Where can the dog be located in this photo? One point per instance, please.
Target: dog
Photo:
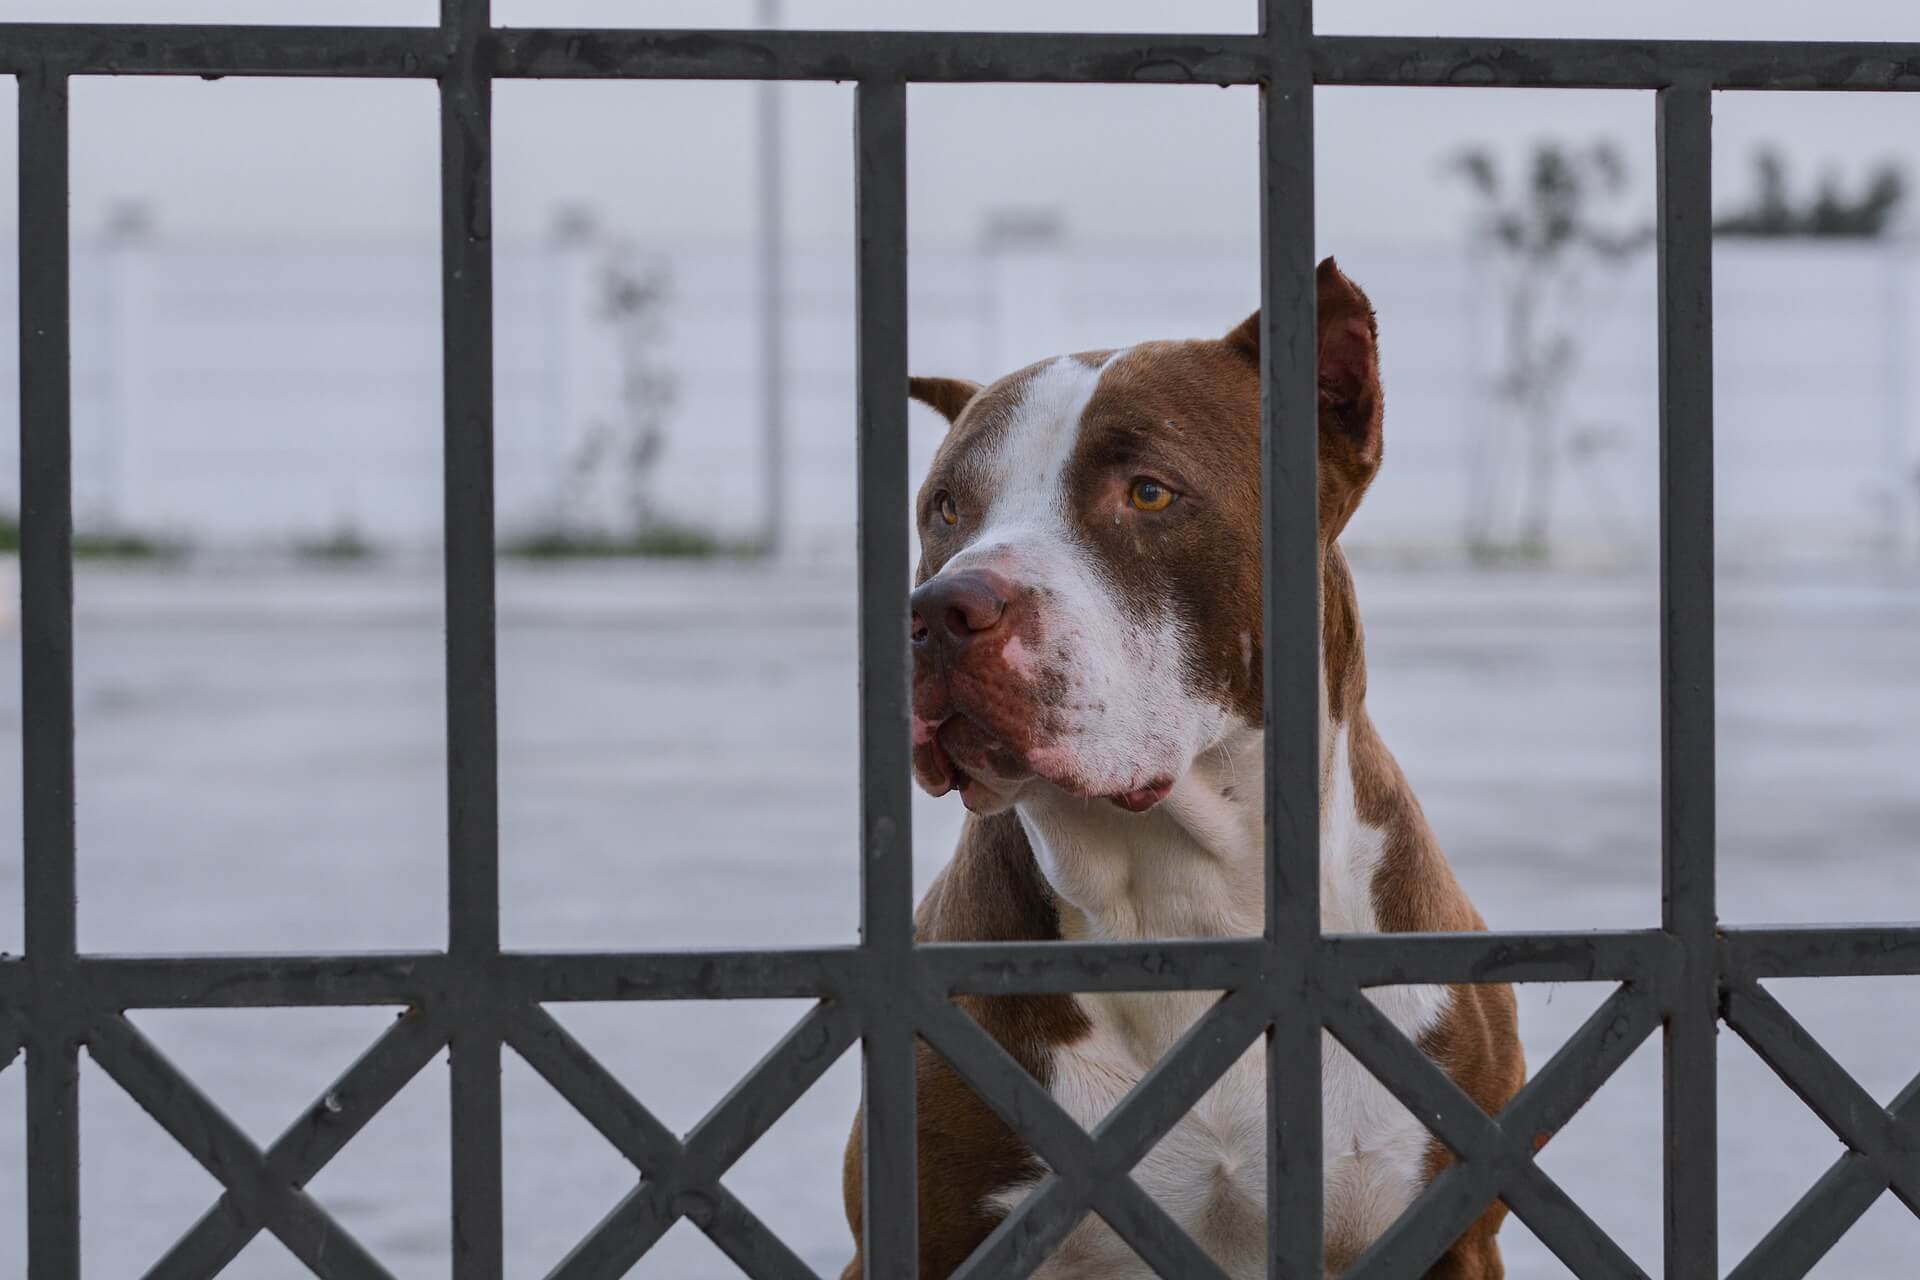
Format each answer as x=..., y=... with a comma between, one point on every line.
x=1086, y=638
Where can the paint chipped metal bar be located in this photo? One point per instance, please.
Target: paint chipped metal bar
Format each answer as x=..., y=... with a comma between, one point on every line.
x=1223, y=59
x=122, y=49
x=1290, y=627
x=46, y=684
x=955, y=57
x=889, y=1164
x=101, y=983
x=1402, y=959
x=1445, y=61
x=473, y=784
x=1684, y=157
x=1818, y=951
x=466, y=228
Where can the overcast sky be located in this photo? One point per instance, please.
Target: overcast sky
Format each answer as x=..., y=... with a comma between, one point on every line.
x=240, y=158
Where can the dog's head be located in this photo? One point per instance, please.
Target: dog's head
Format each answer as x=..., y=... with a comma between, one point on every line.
x=1087, y=614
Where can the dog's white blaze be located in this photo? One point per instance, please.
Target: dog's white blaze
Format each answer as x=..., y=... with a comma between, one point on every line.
x=1194, y=866
x=1127, y=716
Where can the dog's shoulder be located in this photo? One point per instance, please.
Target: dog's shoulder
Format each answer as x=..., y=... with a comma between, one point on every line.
x=991, y=891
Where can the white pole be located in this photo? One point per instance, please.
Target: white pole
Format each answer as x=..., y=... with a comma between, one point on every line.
x=772, y=261
x=1901, y=447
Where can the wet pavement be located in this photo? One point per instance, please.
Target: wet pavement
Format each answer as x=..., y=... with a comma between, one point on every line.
x=262, y=768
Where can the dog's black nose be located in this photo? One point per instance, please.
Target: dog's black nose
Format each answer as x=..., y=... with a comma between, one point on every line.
x=953, y=609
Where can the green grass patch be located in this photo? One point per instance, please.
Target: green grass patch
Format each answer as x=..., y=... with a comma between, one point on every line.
x=342, y=546
x=101, y=544
x=660, y=542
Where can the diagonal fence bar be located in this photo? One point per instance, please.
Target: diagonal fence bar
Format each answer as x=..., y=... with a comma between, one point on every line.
x=224, y=1151
x=1684, y=156
x=1890, y=1141
x=1493, y=1155
x=46, y=681
x=343, y=1109
x=1090, y=1170
x=652, y=1148
x=1829, y=1208
x=679, y=1189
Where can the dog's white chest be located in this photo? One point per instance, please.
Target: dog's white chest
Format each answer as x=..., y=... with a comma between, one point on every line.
x=1210, y=1171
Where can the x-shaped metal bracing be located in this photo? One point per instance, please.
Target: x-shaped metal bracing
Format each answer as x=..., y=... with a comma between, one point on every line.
x=1088, y=1171
x=1494, y=1155
x=683, y=1179
x=313, y=1140
x=1092, y=1170
x=1883, y=1142
x=265, y=1190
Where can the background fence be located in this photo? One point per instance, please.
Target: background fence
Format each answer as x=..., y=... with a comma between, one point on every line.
x=1289, y=985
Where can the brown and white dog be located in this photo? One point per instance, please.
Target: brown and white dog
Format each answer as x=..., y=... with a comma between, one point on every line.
x=1087, y=659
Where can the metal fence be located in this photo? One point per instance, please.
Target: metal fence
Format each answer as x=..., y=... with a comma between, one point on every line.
x=1289, y=984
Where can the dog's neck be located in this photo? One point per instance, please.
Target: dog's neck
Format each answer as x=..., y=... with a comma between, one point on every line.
x=1194, y=865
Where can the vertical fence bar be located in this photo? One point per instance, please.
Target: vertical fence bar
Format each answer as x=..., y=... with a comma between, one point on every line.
x=1684, y=122
x=886, y=834
x=473, y=828
x=1291, y=649
x=46, y=678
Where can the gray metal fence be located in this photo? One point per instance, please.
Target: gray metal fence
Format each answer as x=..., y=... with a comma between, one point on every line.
x=1686, y=975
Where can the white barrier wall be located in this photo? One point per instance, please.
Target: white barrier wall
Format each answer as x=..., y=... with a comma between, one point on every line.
x=246, y=395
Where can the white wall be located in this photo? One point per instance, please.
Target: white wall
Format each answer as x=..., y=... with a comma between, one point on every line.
x=248, y=394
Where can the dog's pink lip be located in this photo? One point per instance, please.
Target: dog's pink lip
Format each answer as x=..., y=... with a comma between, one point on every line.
x=951, y=775
x=1143, y=798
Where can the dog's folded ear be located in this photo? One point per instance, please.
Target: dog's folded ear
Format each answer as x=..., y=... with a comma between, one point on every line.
x=1350, y=396
x=1349, y=362
x=947, y=395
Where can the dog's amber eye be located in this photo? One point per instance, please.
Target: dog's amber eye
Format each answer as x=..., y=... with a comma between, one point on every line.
x=1149, y=495
x=943, y=503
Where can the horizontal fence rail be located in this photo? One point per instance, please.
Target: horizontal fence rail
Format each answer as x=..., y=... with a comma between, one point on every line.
x=1292, y=985
x=957, y=57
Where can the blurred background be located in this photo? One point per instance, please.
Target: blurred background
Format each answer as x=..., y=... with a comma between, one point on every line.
x=258, y=502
